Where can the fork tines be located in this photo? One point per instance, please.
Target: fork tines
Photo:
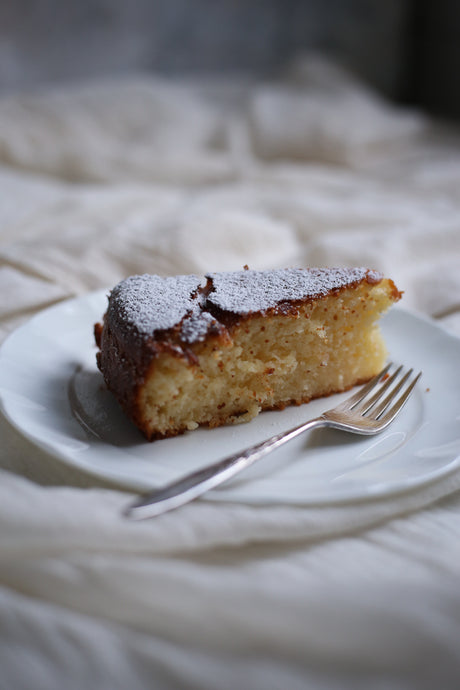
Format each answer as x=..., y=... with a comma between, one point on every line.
x=384, y=390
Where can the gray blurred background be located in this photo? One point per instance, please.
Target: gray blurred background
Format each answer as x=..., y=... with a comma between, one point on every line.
x=408, y=49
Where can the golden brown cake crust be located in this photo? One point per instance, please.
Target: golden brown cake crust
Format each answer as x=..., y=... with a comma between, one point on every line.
x=150, y=316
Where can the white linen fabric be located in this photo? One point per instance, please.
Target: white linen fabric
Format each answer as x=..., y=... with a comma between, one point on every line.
x=102, y=180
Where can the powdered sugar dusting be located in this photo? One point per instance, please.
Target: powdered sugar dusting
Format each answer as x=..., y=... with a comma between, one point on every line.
x=196, y=326
x=150, y=303
x=246, y=292
x=147, y=304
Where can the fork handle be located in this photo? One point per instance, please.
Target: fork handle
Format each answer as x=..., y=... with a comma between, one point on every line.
x=197, y=483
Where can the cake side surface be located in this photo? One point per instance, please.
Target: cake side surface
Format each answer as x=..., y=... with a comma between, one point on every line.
x=214, y=359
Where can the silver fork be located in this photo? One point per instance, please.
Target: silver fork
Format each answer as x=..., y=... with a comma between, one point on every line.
x=369, y=411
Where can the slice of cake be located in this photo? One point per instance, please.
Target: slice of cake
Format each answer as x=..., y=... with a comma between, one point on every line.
x=178, y=352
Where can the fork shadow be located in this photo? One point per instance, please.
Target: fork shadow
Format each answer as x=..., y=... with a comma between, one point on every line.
x=97, y=411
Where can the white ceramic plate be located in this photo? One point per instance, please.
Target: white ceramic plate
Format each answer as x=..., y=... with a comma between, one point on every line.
x=52, y=392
